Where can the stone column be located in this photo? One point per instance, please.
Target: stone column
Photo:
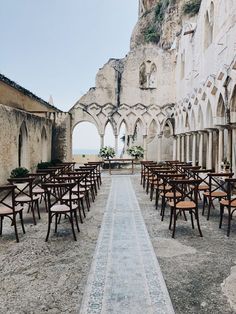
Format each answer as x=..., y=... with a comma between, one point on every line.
x=194, y=152
x=116, y=145
x=101, y=140
x=210, y=149
x=220, y=147
x=229, y=145
x=145, y=146
x=200, y=158
x=183, y=148
x=159, y=155
x=174, y=147
x=188, y=147
x=178, y=147
x=234, y=150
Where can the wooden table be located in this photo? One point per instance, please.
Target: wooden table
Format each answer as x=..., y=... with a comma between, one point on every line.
x=120, y=160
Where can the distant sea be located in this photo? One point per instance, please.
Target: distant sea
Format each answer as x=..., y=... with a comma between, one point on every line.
x=85, y=151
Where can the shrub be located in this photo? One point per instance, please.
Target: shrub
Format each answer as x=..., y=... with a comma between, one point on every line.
x=19, y=172
x=192, y=7
x=107, y=152
x=136, y=151
x=152, y=35
x=44, y=165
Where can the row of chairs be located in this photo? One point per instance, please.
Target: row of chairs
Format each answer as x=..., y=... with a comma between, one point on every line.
x=181, y=186
x=64, y=191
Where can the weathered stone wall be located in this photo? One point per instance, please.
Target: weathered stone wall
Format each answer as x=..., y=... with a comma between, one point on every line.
x=11, y=121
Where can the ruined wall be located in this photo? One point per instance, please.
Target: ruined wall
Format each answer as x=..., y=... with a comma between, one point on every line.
x=11, y=121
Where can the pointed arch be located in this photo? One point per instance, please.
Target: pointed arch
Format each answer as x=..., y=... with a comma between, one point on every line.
x=193, y=121
x=152, y=130
x=209, y=116
x=233, y=100
x=44, y=145
x=23, y=146
x=200, y=118
x=153, y=76
x=220, y=111
x=187, y=123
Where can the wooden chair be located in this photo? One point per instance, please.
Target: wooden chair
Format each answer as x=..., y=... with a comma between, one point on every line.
x=57, y=205
x=217, y=190
x=24, y=194
x=229, y=202
x=9, y=209
x=188, y=202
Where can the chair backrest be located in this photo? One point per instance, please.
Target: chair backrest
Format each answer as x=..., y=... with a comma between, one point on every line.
x=56, y=191
x=24, y=186
x=231, y=187
x=187, y=188
x=217, y=181
x=7, y=196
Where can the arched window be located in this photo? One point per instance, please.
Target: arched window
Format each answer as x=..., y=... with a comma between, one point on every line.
x=221, y=107
x=209, y=26
x=23, y=156
x=142, y=76
x=153, y=77
x=44, y=145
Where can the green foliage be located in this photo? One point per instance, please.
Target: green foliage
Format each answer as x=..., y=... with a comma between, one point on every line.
x=107, y=152
x=19, y=172
x=55, y=162
x=136, y=151
x=160, y=10
x=152, y=35
x=44, y=165
x=192, y=7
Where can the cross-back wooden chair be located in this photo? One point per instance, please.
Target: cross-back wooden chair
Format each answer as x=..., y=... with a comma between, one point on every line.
x=217, y=190
x=57, y=205
x=229, y=202
x=188, y=202
x=24, y=194
x=9, y=209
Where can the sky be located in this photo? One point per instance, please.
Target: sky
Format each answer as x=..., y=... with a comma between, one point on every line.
x=55, y=47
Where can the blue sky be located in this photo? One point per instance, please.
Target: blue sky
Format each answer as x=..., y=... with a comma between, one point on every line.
x=55, y=47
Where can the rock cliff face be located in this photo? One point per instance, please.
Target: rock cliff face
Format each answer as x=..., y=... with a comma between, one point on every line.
x=160, y=24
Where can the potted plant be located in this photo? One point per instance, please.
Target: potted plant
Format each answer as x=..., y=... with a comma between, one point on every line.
x=19, y=172
x=107, y=152
x=136, y=152
x=227, y=165
x=44, y=165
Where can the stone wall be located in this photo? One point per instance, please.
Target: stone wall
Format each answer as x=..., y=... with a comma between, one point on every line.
x=36, y=143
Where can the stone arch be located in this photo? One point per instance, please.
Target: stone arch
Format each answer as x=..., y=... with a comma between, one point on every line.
x=220, y=110
x=209, y=26
x=152, y=130
x=209, y=116
x=187, y=123
x=200, y=118
x=193, y=121
x=44, y=145
x=168, y=128
x=153, y=76
x=233, y=100
x=23, y=146
x=143, y=76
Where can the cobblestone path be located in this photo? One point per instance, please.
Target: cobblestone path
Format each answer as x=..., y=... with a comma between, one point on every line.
x=125, y=276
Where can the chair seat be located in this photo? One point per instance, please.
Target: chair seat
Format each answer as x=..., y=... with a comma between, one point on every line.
x=38, y=190
x=203, y=187
x=171, y=194
x=67, y=197
x=183, y=205
x=215, y=194
x=4, y=210
x=25, y=198
x=61, y=208
x=226, y=203
x=162, y=187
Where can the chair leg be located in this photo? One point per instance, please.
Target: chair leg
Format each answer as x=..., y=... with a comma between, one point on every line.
x=80, y=216
x=72, y=226
x=171, y=218
x=191, y=214
x=37, y=205
x=56, y=221
x=15, y=227
x=1, y=221
x=32, y=209
x=229, y=221
x=203, y=206
x=157, y=199
x=198, y=223
x=209, y=208
x=221, y=215
x=49, y=226
x=82, y=206
x=175, y=218
x=22, y=222
x=76, y=221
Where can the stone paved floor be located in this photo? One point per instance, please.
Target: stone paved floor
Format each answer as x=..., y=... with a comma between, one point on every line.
x=125, y=276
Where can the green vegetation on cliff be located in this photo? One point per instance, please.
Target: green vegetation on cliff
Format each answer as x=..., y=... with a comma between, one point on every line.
x=192, y=7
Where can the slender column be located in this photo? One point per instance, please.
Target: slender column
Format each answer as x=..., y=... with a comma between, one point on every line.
x=101, y=140
x=159, y=153
x=145, y=146
x=178, y=147
x=174, y=147
x=229, y=146
x=234, y=150
x=116, y=145
x=200, y=158
x=188, y=147
x=220, y=147
x=194, y=153
x=183, y=148
x=210, y=149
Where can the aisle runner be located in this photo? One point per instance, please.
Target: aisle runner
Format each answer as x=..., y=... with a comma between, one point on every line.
x=125, y=276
